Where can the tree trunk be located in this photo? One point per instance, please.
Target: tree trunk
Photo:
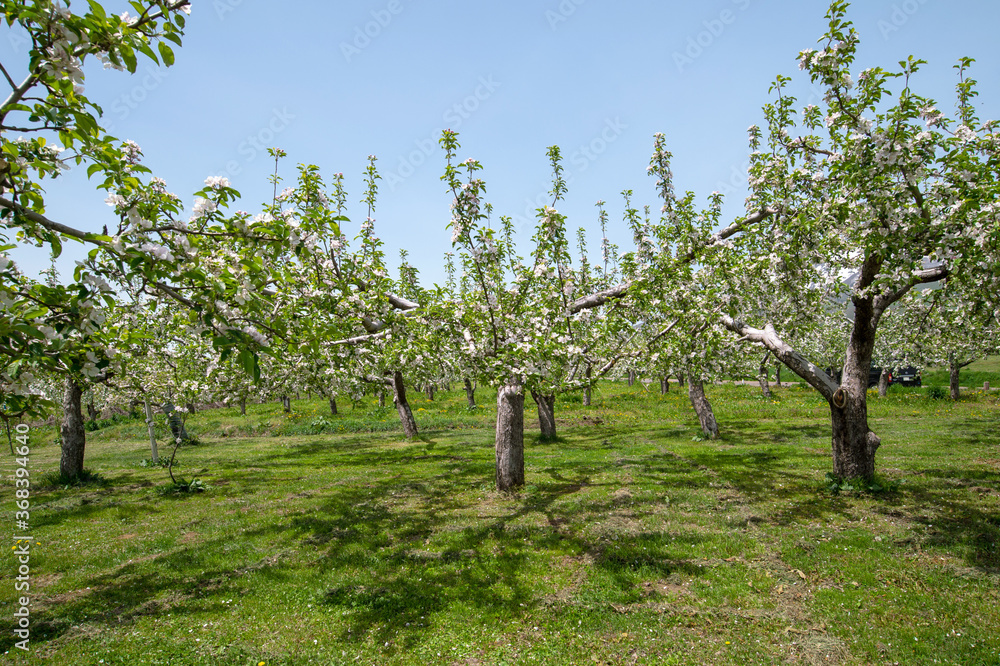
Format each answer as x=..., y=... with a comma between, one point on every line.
x=854, y=444
x=470, y=394
x=381, y=397
x=286, y=404
x=429, y=390
x=92, y=410
x=665, y=385
x=190, y=408
x=680, y=379
x=333, y=405
x=510, y=436
x=777, y=373
x=243, y=405
x=631, y=377
x=953, y=370
x=762, y=376
x=586, y=391
x=703, y=408
x=402, y=406
x=883, y=383
x=546, y=414
x=74, y=437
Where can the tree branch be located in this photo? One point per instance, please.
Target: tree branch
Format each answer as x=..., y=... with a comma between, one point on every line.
x=805, y=369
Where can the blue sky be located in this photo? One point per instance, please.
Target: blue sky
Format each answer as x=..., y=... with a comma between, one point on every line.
x=333, y=82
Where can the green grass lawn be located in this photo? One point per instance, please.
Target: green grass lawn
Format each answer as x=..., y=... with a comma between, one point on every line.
x=634, y=542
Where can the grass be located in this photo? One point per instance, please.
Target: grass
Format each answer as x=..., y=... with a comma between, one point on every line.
x=632, y=543
x=983, y=370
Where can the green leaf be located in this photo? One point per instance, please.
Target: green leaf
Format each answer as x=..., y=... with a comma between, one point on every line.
x=166, y=53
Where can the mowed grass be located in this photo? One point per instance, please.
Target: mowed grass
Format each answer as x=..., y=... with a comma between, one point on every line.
x=633, y=542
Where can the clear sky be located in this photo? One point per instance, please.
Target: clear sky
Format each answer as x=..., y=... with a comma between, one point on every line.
x=333, y=82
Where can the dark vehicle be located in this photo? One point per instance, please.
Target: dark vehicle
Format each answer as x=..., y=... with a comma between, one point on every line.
x=908, y=376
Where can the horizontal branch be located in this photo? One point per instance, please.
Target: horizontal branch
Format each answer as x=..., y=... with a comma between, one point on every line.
x=360, y=339
x=767, y=337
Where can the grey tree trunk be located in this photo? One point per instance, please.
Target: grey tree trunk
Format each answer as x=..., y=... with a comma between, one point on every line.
x=777, y=373
x=286, y=404
x=883, y=383
x=546, y=414
x=586, y=391
x=381, y=397
x=510, y=436
x=333, y=405
x=429, y=390
x=702, y=407
x=470, y=393
x=631, y=377
x=954, y=367
x=243, y=405
x=665, y=385
x=854, y=444
x=762, y=376
x=74, y=437
x=680, y=379
x=402, y=406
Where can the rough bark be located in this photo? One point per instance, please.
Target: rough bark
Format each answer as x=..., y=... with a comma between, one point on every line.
x=381, y=398
x=510, y=436
x=883, y=382
x=631, y=377
x=333, y=405
x=777, y=373
x=429, y=391
x=286, y=404
x=402, y=406
x=762, y=376
x=243, y=405
x=680, y=379
x=703, y=408
x=854, y=444
x=665, y=385
x=470, y=393
x=74, y=437
x=586, y=391
x=546, y=413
